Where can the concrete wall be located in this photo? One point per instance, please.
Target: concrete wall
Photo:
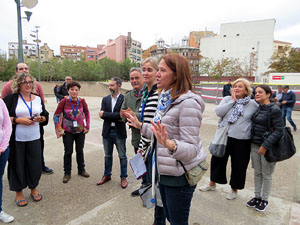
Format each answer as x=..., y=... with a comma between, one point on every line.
x=212, y=93
x=96, y=89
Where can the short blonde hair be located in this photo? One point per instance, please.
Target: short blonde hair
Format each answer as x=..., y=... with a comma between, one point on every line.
x=19, y=79
x=246, y=83
x=153, y=61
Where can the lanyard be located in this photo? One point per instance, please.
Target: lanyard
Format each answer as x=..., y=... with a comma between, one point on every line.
x=77, y=105
x=30, y=109
x=144, y=105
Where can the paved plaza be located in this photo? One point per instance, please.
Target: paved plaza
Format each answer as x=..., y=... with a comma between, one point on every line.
x=81, y=201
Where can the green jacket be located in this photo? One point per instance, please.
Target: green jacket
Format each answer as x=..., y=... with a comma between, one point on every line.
x=133, y=101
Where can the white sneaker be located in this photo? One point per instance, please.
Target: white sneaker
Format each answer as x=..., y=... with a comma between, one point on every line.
x=207, y=188
x=5, y=218
x=232, y=195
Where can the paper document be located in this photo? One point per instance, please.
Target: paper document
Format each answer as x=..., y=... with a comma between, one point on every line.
x=138, y=166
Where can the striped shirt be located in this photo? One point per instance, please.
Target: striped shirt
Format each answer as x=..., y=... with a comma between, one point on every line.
x=150, y=108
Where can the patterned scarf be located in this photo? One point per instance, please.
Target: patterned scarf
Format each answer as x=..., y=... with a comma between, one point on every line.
x=163, y=103
x=238, y=109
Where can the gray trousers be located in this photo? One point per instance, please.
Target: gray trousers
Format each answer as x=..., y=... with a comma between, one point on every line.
x=263, y=171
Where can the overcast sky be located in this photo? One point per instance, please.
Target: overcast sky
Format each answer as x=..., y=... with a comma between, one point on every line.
x=92, y=22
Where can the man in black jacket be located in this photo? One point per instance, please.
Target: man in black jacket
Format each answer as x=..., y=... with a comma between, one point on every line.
x=226, y=89
x=287, y=101
x=62, y=90
x=114, y=131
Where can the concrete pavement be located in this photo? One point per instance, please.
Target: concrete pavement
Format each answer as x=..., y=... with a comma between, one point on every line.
x=81, y=201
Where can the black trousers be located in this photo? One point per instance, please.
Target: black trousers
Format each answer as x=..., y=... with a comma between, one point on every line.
x=68, y=140
x=27, y=169
x=239, y=151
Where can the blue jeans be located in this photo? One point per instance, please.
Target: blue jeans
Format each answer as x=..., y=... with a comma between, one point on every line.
x=108, y=144
x=177, y=202
x=3, y=160
x=287, y=112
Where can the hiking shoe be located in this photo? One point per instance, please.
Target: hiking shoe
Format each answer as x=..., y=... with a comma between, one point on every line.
x=83, y=173
x=47, y=170
x=262, y=206
x=207, y=188
x=253, y=202
x=135, y=193
x=232, y=195
x=66, y=178
x=5, y=218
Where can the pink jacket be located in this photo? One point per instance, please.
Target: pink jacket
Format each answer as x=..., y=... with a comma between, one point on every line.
x=183, y=121
x=5, y=126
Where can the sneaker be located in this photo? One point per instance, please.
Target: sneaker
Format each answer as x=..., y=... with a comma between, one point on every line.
x=232, y=195
x=66, y=178
x=207, y=188
x=83, y=173
x=5, y=218
x=135, y=193
x=253, y=202
x=262, y=206
x=47, y=170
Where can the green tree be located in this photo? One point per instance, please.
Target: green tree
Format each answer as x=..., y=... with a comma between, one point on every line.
x=110, y=68
x=7, y=67
x=125, y=67
x=285, y=61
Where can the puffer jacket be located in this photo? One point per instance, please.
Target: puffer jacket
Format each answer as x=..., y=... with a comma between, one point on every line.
x=183, y=121
x=260, y=125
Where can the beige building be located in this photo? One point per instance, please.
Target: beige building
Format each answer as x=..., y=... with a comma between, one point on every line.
x=195, y=37
x=46, y=54
x=29, y=50
x=281, y=45
x=192, y=54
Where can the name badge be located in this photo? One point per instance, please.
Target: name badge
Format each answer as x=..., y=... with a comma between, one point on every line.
x=75, y=124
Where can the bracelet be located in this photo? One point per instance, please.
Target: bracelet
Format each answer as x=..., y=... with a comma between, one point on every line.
x=14, y=120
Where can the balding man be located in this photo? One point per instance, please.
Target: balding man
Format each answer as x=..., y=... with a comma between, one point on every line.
x=21, y=68
x=6, y=90
x=62, y=90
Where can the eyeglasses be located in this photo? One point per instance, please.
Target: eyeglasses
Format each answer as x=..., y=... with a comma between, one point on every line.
x=27, y=82
x=68, y=79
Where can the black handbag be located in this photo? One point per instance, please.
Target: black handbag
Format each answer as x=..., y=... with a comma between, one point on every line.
x=284, y=148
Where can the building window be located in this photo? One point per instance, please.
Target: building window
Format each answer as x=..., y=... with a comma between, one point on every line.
x=237, y=35
x=224, y=35
x=223, y=50
x=253, y=48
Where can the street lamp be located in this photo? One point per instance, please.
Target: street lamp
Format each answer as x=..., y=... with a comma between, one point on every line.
x=37, y=41
x=28, y=4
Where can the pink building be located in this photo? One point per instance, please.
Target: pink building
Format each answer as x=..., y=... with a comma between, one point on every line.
x=115, y=49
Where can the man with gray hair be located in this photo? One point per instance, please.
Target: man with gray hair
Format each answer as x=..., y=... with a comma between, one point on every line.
x=114, y=131
x=131, y=105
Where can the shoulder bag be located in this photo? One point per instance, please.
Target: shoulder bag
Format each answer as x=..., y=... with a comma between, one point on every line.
x=194, y=175
x=218, y=145
x=284, y=148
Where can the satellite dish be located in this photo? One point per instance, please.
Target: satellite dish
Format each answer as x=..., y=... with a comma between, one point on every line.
x=29, y=3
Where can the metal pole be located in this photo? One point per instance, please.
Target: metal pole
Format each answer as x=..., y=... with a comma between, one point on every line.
x=38, y=48
x=20, y=45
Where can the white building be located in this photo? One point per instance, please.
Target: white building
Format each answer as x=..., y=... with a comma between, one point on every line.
x=239, y=40
x=29, y=49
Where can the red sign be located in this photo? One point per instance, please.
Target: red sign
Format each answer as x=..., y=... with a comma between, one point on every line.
x=277, y=77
